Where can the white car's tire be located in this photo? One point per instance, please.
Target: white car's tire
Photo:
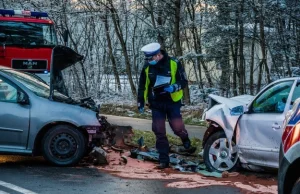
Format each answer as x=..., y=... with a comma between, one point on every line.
x=296, y=187
x=217, y=154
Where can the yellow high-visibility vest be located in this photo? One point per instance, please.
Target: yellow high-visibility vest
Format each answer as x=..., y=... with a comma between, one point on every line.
x=176, y=96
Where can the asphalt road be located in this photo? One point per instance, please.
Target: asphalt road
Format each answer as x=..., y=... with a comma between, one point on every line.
x=33, y=175
x=144, y=124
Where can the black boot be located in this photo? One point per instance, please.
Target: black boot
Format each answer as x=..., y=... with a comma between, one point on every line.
x=183, y=150
x=163, y=165
x=187, y=147
x=190, y=150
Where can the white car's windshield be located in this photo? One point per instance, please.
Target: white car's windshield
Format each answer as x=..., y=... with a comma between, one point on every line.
x=35, y=85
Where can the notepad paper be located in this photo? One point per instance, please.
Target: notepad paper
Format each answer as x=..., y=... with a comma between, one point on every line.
x=162, y=81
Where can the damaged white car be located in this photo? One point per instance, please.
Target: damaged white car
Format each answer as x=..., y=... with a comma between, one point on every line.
x=247, y=130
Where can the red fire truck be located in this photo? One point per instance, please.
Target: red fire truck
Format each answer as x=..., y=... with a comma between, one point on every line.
x=26, y=41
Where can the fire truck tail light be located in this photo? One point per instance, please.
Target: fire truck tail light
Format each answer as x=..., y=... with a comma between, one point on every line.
x=23, y=13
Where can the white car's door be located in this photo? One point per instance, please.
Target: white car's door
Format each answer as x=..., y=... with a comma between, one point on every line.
x=260, y=129
x=14, y=118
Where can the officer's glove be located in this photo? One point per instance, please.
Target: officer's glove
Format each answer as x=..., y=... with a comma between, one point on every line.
x=140, y=107
x=169, y=89
x=141, y=110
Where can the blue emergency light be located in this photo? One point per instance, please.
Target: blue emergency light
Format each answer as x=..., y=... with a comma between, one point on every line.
x=7, y=12
x=12, y=12
x=39, y=14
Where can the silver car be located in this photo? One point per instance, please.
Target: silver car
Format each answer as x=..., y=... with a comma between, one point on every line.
x=247, y=130
x=35, y=120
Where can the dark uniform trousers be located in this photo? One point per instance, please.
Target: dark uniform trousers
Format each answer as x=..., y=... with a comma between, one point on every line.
x=170, y=110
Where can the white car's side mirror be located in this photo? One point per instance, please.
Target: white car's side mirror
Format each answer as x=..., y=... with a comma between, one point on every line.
x=238, y=110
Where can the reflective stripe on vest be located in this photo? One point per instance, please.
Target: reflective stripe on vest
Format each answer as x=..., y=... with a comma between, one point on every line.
x=176, y=96
x=146, y=84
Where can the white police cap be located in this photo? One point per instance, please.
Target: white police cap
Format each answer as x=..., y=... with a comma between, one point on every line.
x=151, y=49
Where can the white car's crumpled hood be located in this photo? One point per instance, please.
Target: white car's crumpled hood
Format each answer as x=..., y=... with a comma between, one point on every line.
x=245, y=99
x=220, y=113
x=232, y=102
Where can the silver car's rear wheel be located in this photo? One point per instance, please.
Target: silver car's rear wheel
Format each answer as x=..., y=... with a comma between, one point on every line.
x=217, y=154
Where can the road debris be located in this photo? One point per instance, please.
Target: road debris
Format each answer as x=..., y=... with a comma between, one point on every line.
x=177, y=162
x=130, y=160
x=123, y=137
x=145, y=169
x=227, y=174
x=124, y=160
x=98, y=156
x=177, y=159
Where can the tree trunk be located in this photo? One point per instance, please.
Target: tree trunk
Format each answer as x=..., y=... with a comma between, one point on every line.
x=252, y=58
x=160, y=22
x=135, y=56
x=297, y=62
x=119, y=32
x=178, y=45
x=111, y=56
x=241, y=49
x=84, y=91
x=3, y=4
x=263, y=43
x=197, y=45
x=234, y=52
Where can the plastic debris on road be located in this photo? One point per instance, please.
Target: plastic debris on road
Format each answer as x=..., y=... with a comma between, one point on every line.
x=177, y=162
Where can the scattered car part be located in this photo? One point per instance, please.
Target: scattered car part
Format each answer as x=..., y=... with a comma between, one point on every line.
x=98, y=156
x=124, y=160
x=227, y=174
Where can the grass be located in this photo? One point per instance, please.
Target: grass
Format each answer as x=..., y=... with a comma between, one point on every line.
x=190, y=117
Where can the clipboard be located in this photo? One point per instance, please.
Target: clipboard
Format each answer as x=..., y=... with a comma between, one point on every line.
x=161, y=81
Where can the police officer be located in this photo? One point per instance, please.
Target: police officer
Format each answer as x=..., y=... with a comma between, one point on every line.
x=161, y=82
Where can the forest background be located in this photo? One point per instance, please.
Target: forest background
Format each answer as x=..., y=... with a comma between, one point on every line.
x=228, y=47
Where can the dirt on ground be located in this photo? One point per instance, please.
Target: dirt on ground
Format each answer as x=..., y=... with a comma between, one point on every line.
x=122, y=165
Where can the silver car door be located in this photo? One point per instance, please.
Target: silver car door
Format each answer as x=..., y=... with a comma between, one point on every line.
x=14, y=118
x=260, y=128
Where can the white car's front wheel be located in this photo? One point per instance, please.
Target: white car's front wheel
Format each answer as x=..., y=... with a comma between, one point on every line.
x=217, y=153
